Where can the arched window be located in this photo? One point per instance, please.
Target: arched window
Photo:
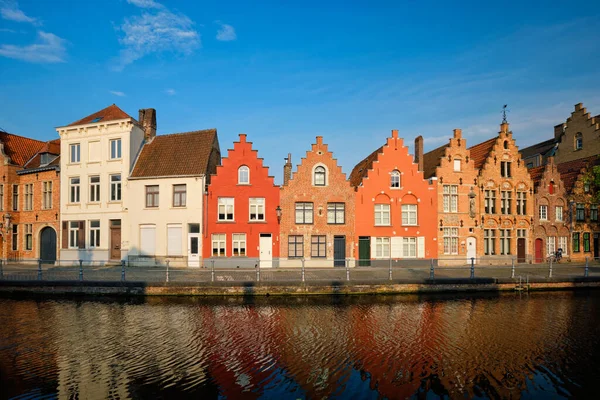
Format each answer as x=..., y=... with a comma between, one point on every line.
x=319, y=176
x=506, y=144
x=244, y=175
x=578, y=141
x=395, y=179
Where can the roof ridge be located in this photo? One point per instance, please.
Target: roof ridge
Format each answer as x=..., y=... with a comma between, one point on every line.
x=187, y=133
x=21, y=136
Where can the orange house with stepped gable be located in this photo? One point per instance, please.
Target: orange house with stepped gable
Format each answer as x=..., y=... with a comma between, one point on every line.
x=396, y=208
x=241, y=215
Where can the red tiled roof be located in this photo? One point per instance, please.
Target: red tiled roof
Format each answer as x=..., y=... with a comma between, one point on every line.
x=362, y=168
x=570, y=170
x=110, y=113
x=177, y=154
x=431, y=160
x=481, y=151
x=20, y=149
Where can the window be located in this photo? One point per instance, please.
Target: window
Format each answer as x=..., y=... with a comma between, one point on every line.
x=179, y=195
x=319, y=176
x=543, y=213
x=489, y=242
x=225, y=205
x=152, y=196
x=395, y=179
x=505, y=202
x=15, y=237
x=457, y=165
x=559, y=214
x=115, y=149
x=504, y=242
x=304, y=213
x=75, y=152
x=94, y=234
x=218, y=245
x=409, y=247
x=450, y=240
x=73, y=234
x=174, y=240
x=505, y=169
x=490, y=202
x=74, y=190
x=28, y=236
x=580, y=212
x=28, y=206
x=578, y=141
x=257, y=209
x=594, y=212
x=46, y=195
x=562, y=244
x=239, y=244
x=147, y=240
x=551, y=187
x=115, y=187
x=318, y=246
x=521, y=203
x=382, y=214
x=522, y=233
x=409, y=214
x=244, y=175
x=336, y=213
x=451, y=198
x=550, y=246
x=295, y=246
x=576, y=242
x=586, y=241
x=15, y=205
x=1, y=197
x=382, y=247
x=94, y=189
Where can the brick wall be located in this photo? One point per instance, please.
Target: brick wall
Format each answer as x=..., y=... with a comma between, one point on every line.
x=580, y=121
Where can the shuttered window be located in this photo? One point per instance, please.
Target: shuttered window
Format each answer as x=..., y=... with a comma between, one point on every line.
x=147, y=240
x=174, y=240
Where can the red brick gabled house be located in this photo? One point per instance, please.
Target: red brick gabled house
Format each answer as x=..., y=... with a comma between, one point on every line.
x=317, y=204
x=242, y=210
x=393, y=206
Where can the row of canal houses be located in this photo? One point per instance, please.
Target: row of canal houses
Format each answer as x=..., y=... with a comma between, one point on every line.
x=120, y=192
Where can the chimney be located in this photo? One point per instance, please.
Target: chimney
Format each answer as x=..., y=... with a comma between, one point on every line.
x=419, y=152
x=558, y=131
x=287, y=169
x=148, y=122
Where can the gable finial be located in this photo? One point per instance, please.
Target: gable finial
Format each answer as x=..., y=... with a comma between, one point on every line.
x=504, y=110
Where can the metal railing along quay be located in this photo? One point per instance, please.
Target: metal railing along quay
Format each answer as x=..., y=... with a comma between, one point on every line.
x=350, y=270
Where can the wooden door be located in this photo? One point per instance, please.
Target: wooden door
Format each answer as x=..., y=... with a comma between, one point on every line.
x=364, y=251
x=48, y=245
x=521, y=250
x=339, y=251
x=539, y=250
x=115, y=242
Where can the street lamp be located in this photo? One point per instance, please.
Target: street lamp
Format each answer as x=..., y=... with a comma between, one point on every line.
x=278, y=210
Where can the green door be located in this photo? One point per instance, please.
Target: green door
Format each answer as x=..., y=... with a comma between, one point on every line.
x=364, y=251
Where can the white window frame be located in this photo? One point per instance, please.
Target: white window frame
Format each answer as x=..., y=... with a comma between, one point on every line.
x=489, y=242
x=73, y=234
x=521, y=203
x=257, y=209
x=550, y=245
x=409, y=215
x=505, y=239
x=383, y=215
x=74, y=190
x=28, y=197
x=382, y=247
x=336, y=213
x=115, y=149
x=395, y=179
x=304, y=213
x=220, y=239
x=238, y=245
x=563, y=243
x=457, y=165
x=243, y=175
x=409, y=246
x=490, y=202
x=227, y=205
x=319, y=171
x=543, y=213
x=75, y=153
x=95, y=189
x=115, y=187
x=450, y=198
x=94, y=234
x=559, y=214
x=46, y=195
x=451, y=240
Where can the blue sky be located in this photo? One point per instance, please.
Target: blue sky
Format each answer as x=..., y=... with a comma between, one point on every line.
x=349, y=71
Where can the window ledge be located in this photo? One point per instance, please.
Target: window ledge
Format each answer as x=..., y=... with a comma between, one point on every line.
x=396, y=188
x=115, y=201
x=93, y=162
x=257, y=222
x=151, y=208
x=178, y=208
x=114, y=160
x=225, y=222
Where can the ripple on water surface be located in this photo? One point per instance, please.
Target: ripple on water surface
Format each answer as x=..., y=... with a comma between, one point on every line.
x=537, y=345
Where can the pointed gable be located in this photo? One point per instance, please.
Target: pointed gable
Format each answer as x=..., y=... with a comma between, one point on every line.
x=570, y=170
x=110, y=113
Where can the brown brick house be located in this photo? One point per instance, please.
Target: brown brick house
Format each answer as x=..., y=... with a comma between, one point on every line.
x=317, y=203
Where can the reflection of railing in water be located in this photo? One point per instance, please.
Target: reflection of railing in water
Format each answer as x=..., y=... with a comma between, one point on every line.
x=251, y=270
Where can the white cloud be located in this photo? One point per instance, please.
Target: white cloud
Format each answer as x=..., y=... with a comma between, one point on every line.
x=10, y=11
x=145, y=3
x=49, y=49
x=226, y=33
x=156, y=31
x=170, y=92
x=117, y=93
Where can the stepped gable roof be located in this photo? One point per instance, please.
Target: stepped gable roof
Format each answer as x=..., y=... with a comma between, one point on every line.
x=362, y=168
x=536, y=174
x=538, y=148
x=481, y=151
x=431, y=160
x=109, y=113
x=20, y=149
x=176, y=154
x=570, y=170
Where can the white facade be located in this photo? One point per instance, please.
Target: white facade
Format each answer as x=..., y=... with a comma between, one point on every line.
x=170, y=230
x=93, y=214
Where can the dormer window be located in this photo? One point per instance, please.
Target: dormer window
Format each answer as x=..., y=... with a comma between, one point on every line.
x=395, y=179
x=578, y=141
x=44, y=158
x=319, y=176
x=244, y=175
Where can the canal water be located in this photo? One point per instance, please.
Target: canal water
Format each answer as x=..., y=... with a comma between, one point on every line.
x=537, y=345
